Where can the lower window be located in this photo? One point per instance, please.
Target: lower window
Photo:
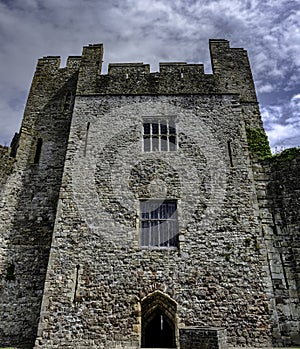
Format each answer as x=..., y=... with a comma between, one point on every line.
x=159, y=225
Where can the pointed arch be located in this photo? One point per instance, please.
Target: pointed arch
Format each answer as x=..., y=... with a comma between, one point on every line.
x=159, y=323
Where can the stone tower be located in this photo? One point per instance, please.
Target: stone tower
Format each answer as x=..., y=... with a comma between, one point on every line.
x=136, y=210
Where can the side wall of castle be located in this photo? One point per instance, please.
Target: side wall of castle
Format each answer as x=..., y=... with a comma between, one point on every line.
x=30, y=182
x=284, y=251
x=278, y=192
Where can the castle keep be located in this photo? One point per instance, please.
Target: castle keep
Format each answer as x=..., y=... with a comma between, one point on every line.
x=142, y=209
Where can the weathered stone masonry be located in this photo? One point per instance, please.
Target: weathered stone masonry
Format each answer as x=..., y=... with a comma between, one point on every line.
x=29, y=199
x=70, y=203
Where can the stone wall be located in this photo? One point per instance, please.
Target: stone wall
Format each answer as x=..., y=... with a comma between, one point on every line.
x=277, y=188
x=29, y=199
x=216, y=276
x=6, y=166
x=284, y=195
x=203, y=337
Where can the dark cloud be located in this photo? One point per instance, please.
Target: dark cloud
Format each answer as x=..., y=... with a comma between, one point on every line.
x=153, y=31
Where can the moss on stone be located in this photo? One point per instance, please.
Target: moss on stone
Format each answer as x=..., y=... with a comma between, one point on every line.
x=258, y=143
x=285, y=156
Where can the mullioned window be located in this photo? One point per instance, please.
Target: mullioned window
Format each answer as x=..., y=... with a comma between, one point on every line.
x=159, y=134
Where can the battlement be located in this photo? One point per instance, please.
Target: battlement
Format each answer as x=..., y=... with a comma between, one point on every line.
x=131, y=69
x=231, y=75
x=127, y=69
x=52, y=63
x=4, y=150
x=181, y=68
x=73, y=62
x=223, y=44
x=48, y=63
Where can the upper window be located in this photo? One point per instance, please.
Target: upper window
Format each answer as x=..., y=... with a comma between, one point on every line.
x=159, y=226
x=159, y=134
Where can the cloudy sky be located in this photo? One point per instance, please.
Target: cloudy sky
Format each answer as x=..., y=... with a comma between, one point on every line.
x=151, y=31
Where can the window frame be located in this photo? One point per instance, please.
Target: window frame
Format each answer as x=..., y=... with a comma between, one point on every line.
x=161, y=134
x=164, y=233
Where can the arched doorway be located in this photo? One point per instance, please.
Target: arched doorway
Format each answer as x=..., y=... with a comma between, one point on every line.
x=158, y=321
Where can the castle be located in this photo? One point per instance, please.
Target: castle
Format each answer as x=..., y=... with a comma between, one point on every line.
x=143, y=209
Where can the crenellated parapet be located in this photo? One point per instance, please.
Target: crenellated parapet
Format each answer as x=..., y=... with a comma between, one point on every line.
x=183, y=78
x=231, y=75
x=231, y=69
x=90, y=68
x=50, y=101
x=172, y=78
x=73, y=62
x=128, y=69
x=52, y=63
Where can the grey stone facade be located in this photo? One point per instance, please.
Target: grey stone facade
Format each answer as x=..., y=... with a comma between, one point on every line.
x=74, y=273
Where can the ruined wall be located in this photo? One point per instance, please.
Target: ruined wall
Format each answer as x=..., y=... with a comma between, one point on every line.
x=29, y=199
x=284, y=196
x=277, y=188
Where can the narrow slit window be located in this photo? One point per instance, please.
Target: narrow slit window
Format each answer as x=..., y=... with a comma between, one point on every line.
x=76, y=283
x=86, y=137
x=230, y=153
x=159, y=226
x=68, y=101
x=159, y=135
x=38, y=151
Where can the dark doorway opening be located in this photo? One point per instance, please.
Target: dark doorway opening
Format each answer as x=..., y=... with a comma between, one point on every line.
x=159, y=333
x=158, y=321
